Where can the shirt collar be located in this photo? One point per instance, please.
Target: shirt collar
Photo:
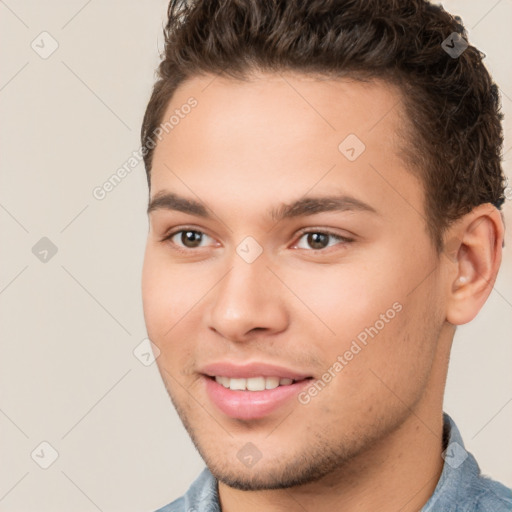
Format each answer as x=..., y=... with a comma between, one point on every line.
x=460, y=469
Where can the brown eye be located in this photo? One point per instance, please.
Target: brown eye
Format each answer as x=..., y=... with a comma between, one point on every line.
x=318, y=240
x=190, y=238
x=186, y=239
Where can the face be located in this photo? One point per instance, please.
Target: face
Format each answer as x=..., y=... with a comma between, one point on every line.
x=288, y=247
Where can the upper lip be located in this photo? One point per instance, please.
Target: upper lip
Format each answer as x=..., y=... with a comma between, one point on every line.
x=248, y=370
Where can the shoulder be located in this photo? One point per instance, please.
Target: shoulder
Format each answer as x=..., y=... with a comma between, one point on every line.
x=462, y=487
x=492, y=496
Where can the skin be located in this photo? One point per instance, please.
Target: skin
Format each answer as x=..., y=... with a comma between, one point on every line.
x=372, y=438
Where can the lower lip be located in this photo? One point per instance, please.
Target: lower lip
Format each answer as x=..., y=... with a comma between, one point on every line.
x=251, y=405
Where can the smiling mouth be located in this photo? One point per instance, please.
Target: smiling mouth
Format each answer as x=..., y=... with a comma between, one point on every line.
x=252, y=396
x=255, y=383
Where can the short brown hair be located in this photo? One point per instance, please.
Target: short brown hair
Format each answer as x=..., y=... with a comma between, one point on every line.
x=452, y=104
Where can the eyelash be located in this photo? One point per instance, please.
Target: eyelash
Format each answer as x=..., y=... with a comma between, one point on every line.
x=344, y=240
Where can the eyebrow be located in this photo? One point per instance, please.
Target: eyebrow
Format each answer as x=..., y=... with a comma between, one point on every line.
x=302, y=207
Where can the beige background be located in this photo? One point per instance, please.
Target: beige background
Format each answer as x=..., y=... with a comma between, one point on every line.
x=68, y=375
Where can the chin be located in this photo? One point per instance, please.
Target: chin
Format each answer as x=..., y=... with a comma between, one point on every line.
x=263, y=478
x=296, y=466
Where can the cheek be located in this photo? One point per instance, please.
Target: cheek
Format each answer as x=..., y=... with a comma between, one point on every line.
x=167, y=292
x=162, y=296
x=345, y=299
x=376, y=325
x=393, y=368
x=171, y=302
x=153, y=292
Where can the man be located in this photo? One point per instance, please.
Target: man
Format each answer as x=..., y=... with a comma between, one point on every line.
x=325, y=193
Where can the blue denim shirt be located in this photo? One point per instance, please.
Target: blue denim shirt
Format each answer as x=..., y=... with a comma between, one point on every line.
x=461, y=487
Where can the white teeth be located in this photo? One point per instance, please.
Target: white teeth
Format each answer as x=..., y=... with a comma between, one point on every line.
x=271, y=382
x=256, y=384
x=223, y=380
x=253, y=383
x=237, y=384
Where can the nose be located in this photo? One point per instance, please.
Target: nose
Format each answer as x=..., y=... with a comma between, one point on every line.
x=249, y=301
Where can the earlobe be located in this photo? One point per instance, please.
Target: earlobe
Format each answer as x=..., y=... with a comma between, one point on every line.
x=474, y=258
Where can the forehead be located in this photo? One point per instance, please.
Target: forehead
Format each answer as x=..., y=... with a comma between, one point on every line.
x=289, y=106
x=284, y=134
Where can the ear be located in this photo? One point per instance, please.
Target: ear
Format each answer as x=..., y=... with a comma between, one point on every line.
x=473, y=247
